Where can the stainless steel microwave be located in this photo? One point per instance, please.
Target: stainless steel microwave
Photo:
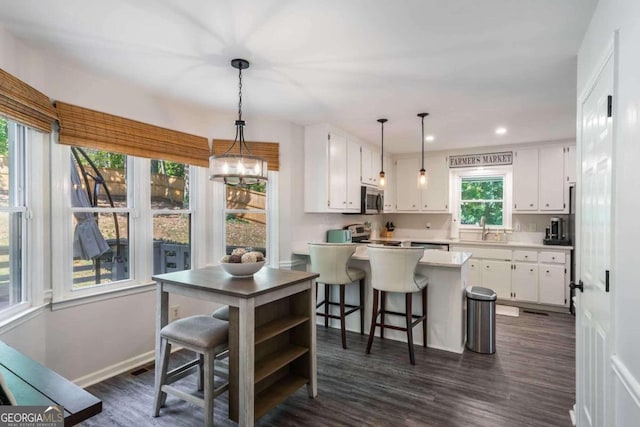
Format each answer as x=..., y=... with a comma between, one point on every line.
x=371, y=200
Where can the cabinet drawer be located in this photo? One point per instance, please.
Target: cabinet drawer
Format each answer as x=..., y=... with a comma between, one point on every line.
x=553, y=257
x=485, y=253
x=520, y=255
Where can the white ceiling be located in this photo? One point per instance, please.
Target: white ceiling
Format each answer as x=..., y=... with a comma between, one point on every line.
x=473, y=65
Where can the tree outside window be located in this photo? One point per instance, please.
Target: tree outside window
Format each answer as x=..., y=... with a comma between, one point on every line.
x=246, y=217
x=482, y=196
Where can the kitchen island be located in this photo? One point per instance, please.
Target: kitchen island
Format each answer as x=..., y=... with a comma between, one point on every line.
x=448, y=276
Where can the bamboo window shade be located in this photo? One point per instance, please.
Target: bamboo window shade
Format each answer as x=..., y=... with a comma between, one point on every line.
x=82, y=127
x=23, y=103
x=270, y=151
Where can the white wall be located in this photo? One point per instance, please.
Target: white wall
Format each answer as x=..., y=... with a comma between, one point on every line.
x=82, y=341
x=624, y=16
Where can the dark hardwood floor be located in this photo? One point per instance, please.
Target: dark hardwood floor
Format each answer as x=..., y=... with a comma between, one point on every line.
x=528, y=382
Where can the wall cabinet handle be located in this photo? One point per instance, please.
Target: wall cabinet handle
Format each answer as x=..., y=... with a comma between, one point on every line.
x=531, y=205
x=531, y=269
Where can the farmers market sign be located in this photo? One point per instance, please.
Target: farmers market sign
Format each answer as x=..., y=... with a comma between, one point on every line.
x=487, y=159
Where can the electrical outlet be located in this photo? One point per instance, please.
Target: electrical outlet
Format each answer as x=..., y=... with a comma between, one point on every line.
x=174, y=313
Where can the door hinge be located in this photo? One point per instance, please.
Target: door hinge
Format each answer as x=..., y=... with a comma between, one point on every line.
x=609, y=106
x=329, y=137
x=515, y=205
x=564, y=205
x=606, y=280
x=565, y=300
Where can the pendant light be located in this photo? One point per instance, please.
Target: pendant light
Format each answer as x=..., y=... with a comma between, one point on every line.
x=422, y=173
x=242, y=168
x=382, y=181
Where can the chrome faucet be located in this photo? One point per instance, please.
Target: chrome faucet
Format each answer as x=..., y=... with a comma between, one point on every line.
x=483, y=221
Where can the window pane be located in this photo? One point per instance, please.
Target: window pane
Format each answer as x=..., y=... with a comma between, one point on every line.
x=471, y=212
x=246, y=230
x=482, y=188
x=171, y=243
x=169, y=185
x=4, y=163
x=11, y=291
x=100, y=248
x=249, y=197
x=102, y=175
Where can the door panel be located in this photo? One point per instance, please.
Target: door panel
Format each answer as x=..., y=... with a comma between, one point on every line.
x=593, y=318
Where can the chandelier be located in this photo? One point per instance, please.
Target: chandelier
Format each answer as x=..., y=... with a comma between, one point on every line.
x=422, y=173
x=238, y=166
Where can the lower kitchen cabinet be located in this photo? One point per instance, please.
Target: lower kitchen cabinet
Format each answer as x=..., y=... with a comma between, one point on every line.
x=496, y=275
x=475, y=272
x=524, y=282
x=552, y=284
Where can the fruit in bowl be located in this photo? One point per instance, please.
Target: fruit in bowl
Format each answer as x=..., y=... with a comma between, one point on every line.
x=242, y=263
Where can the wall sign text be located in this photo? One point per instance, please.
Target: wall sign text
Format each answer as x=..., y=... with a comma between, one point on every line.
x=486, y=159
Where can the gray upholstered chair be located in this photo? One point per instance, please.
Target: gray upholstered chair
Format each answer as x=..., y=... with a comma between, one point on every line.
x=394, y=270
x=204, y=335
x=330, y=260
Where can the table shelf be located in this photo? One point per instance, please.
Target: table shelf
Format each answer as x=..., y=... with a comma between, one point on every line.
x=277, y=393
x=276, y=360
x=278, y=326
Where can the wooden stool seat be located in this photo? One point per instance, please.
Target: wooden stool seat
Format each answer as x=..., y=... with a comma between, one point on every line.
x=208, y=337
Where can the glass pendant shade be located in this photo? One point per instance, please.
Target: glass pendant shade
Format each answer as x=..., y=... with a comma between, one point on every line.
x=382, y=181
x=238, y=167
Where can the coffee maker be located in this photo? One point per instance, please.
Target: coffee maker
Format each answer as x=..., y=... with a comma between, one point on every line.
x=555, y=233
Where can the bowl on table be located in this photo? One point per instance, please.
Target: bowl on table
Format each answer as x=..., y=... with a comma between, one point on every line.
x=242, y=269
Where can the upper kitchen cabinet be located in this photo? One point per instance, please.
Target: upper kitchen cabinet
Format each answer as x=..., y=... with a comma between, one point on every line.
x=435, y=198
x=369, y=166
x=570, y=164
x=390, y=186
x=411, y=199
x=552, y=179
x=541, y=178
x=407, y=192
x=331, y=171
x=525, y=180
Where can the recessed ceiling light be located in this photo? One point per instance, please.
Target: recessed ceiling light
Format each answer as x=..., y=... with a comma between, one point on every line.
x=430, y=138
x=501, y=131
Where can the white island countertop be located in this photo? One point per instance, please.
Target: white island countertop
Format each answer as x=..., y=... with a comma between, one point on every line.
x=431, y=257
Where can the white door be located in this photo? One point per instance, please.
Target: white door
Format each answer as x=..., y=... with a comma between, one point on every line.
x=407, y=192
x=552, y=179
x=353, y=176
x=390, y=186
x=435, y=198
x=496, y=275
x=337, y=172
x=524, y=281
x=552, y=284
x=593, y=306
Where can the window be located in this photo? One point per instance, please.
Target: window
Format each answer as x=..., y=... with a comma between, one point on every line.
x=12, y=214
x=246, y=217
x=484, y=193
x=171, y=216
x=100, y=217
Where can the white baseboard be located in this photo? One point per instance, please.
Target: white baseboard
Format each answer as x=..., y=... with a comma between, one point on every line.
x=627, y=379
x=117, y=369
x=292, y=264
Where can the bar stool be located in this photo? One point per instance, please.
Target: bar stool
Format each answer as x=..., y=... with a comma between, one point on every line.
x=204, y=335
x=330, y=260
x=393, y=270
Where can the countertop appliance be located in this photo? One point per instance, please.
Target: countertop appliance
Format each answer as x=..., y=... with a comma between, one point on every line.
x=359, y=232
x=339, y=236
x=371, y=200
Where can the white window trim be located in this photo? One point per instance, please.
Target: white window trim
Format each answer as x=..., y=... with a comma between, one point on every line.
x=506, y=172
x=35, y=255
x=140, y=233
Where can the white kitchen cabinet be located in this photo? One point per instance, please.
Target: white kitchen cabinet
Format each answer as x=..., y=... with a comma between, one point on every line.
x=390, y=186
x=331, y=171
x=552, y=284
x=570, y=164
x=524, y=281
x=407, y=192
x=369, y=165
x=552, y=179
x=475, y=272
x=525, y=180
x=435, y=198
x=496, y=275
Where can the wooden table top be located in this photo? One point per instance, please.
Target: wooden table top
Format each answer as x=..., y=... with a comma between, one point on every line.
x=34, y=384
x=215, y=279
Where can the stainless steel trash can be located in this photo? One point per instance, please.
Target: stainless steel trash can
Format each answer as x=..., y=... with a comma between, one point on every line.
x=481, y=319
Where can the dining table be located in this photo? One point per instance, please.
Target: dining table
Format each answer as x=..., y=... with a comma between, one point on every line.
x=272, y=335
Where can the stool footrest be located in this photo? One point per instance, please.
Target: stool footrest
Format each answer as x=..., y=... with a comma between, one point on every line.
x=182, y=371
